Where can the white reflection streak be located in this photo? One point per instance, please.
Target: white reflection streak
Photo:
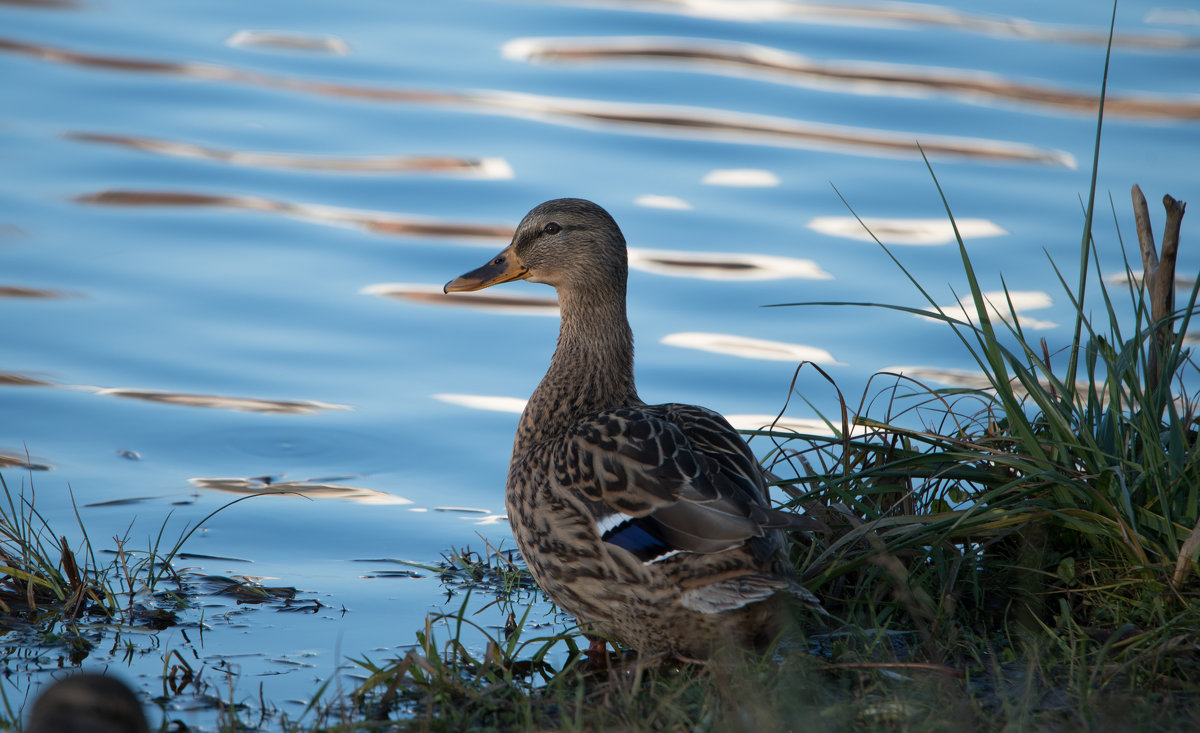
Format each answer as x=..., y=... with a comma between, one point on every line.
x=243, y=404
x=1183, y=284
x=750, y=348
x=723, y=265
x=806, y=425
x=904, y=231
x=289, y=40
x=311, y=490
x=685, y=122
x=998, y=307
x=951, y=377
x=653, y=201
x=739, y=421
x=895, y=15
x=741, y=177
x=433, y=295
x=484, y=402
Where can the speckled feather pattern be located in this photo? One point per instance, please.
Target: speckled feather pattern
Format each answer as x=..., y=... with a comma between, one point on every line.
x=587, y=447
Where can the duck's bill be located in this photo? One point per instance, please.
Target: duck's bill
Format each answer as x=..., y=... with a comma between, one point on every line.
x=502, y=269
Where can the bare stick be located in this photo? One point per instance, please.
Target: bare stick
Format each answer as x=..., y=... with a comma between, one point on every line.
x=1141, y=213
x=1159, y=275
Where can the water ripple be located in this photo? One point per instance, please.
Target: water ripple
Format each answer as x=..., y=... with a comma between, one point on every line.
x=289, y=41
x=750, y=348
x=636, y=118
x=1004, y=305
x=433, y=295
x=771, y=64
x=17, y=291
x=243, y=404
x=371, y=221
x=724, y=265
x=17, y=459
x=899, y=15
x=494, y=168
x=904, y=231
x=310, y=488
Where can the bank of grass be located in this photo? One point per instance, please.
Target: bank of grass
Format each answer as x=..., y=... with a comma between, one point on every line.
x=1017, y=555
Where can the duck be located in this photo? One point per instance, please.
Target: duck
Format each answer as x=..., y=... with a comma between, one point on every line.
x=650, y=524
x=88, y=702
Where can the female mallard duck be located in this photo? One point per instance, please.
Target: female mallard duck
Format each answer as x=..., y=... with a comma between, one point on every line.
x=648, y=523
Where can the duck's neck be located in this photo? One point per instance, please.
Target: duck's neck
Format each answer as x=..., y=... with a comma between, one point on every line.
x=592, y=367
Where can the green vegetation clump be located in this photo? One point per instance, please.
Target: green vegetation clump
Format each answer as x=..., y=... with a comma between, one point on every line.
x=1019, y=553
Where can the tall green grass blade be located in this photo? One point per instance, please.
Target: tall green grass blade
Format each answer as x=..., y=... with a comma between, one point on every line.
x=1085, y=244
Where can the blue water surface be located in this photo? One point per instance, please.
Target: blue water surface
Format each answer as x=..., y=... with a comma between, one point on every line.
x=179, y=258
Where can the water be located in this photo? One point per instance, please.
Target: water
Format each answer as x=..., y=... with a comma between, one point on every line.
x=218, y=247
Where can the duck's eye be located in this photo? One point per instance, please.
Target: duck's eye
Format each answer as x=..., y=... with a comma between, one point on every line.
x=552, y=228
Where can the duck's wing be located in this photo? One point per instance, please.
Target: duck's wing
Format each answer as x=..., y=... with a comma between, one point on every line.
x=667, y=479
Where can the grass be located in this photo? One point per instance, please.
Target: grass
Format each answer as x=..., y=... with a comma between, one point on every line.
x=55, y=596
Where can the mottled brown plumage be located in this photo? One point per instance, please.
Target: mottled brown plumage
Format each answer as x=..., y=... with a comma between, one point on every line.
x=649, y=523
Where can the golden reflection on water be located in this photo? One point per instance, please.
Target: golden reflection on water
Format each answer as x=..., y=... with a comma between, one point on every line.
x=900, y=15
x=491, y=168
x=882, y=79
x=307, y=488
x=750, y=348
x=639, y=118
x=1001, y=304
x=433, y=295
x=904, y=231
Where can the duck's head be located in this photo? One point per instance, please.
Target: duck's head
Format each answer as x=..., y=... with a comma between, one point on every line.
x=567, y=243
